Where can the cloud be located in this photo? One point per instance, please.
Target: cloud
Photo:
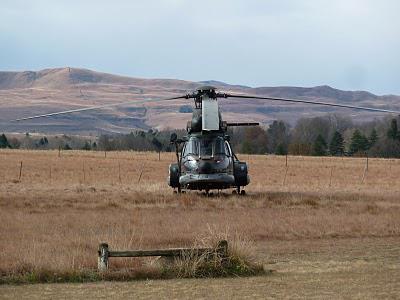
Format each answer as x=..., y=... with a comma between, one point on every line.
x=254, y=42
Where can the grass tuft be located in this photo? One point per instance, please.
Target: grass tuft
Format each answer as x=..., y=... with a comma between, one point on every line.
x=239, y=261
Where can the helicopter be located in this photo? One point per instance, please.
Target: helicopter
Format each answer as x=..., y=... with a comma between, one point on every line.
x=205, y=160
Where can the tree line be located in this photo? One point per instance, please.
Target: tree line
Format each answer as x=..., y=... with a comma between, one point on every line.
x=139, y=140
x=320, y=136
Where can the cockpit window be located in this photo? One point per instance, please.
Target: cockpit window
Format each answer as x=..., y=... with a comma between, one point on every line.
x=219, y=147
x=192, y=147
x=205, y=147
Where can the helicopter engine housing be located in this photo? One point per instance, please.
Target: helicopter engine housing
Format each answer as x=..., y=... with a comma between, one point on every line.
x=195, y=124
x=173, y=178
x=240, y=172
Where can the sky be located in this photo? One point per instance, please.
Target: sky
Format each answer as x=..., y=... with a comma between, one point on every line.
x=347, y=44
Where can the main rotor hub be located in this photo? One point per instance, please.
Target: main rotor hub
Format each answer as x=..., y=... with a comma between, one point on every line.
x=204, y=91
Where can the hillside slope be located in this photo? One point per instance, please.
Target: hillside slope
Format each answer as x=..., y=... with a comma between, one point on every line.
x=29, y=93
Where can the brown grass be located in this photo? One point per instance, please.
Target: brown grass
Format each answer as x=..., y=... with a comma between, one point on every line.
x=56, y=223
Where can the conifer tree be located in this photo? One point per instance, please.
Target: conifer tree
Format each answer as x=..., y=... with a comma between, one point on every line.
x=3, y=141
x=359, y=143
x=87, y=146
x=393, y=132
x=281, y=149
x=373, y=138
x=320, y=146
x=336, y=146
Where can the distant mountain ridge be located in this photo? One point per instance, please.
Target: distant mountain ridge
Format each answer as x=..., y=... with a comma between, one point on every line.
x=48, y=90
x=323, y=91
x=62, y=77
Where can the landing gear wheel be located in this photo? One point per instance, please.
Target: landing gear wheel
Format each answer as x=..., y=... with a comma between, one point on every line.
x=243, y=193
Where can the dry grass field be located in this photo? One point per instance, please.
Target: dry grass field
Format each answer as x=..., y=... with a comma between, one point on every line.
x=326, y=226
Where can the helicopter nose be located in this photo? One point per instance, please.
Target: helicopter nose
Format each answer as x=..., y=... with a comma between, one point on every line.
x=205, y=167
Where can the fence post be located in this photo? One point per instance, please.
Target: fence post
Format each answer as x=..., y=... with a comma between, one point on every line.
x=284, y=178
x=119, y=172
x=20, y=171
x=84, y=172
x=141, y=173
x=222, y=248
x=364, y=174
x=330, y=177
x=102, y=262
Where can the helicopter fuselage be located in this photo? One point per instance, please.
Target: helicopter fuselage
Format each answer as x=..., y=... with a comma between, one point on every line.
x=207, y=162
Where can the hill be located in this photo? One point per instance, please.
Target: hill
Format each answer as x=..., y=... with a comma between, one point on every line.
x=29, y=93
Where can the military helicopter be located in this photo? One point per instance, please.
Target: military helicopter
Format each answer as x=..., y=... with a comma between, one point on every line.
x=205, y=159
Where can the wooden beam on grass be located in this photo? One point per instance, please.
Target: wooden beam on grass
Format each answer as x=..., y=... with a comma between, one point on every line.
x=104, y=253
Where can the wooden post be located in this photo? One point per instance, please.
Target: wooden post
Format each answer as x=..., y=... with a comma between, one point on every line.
x=84, y=173
x=119, y=172
x=367, y=162
x=284, y=178
x=59, y=151
x=286, y=160
x=20, y=171
x=365, y=174
x=141, y=173
x=222, y=248
x=50, y=172
x=330, y=177
x=102, y=262
x=159, y=155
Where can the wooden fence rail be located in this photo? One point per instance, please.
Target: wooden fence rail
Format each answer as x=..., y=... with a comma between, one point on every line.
x=104, y=253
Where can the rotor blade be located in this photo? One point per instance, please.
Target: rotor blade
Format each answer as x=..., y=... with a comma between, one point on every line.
x=314, y=102
x=95, y=107
x=243, y=124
